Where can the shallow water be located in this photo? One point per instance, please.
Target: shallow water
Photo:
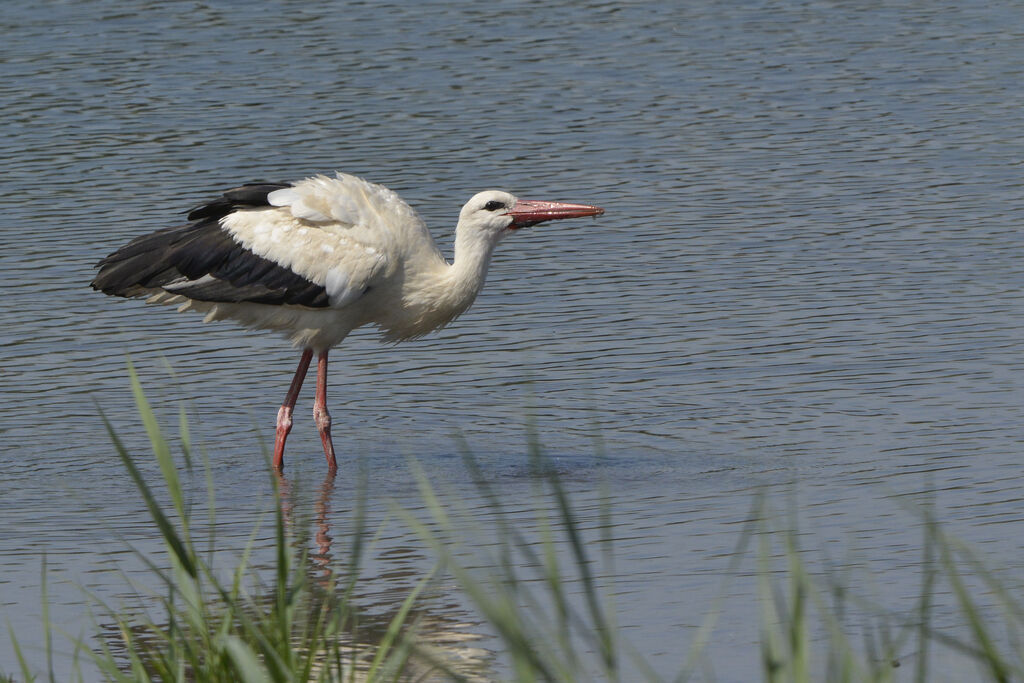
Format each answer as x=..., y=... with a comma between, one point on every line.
x=809, y=271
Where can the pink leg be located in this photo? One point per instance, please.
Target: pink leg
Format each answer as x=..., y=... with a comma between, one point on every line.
x=320, y=414
x=284, y=415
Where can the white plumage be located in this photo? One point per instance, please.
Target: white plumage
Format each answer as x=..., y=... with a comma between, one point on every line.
x=317, y=259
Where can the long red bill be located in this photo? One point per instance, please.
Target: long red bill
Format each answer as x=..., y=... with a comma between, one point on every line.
x=527, y=212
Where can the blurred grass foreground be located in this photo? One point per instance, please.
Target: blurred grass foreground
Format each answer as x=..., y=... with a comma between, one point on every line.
x=298, y=621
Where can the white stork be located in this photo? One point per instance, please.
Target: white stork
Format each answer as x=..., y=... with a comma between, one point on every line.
x=316, y=259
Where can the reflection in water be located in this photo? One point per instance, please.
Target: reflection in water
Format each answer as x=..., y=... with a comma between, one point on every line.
x=444, y=631
x=322, y=557
x=323, y=533
x=344, y=586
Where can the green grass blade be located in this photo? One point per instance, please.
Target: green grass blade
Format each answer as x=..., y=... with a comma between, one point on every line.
x=991, y=659
x=929, y=574
x=26, y=671
x=170, y=536
x=703, y=635
x=395, y=626
x=245, y=661
x=160, y=446
x=47, y=630
x=604, y=633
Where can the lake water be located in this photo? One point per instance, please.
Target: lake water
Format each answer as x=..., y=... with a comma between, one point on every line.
x=808, y=279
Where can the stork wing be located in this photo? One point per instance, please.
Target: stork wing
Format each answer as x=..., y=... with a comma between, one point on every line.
x=202, y=261
x=341, y=233
x=319, y=242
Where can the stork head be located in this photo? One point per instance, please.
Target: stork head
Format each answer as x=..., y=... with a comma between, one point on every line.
x=495, y=213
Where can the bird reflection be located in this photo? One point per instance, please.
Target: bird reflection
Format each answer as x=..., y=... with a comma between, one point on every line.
x=378, y=583
x=321, y=559
x=373, y=591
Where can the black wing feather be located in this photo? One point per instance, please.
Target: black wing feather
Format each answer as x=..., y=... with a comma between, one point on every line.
x=179, y=260
x=249, y=195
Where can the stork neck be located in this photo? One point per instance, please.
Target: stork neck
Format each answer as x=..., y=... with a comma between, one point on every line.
x=473, y=250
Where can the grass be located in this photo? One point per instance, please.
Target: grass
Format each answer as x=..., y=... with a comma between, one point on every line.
x=294, y=629
x=539, y=597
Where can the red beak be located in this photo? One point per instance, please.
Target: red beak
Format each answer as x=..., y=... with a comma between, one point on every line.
x=526, y=212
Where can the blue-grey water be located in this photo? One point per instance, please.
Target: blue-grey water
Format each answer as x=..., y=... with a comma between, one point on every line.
x=808, y=279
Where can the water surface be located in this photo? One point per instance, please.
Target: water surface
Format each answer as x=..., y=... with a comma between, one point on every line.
x=809, y=271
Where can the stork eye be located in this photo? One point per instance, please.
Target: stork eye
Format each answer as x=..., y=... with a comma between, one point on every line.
x=494, y=205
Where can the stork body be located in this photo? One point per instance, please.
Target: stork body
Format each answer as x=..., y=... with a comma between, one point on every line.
x=316, y=259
